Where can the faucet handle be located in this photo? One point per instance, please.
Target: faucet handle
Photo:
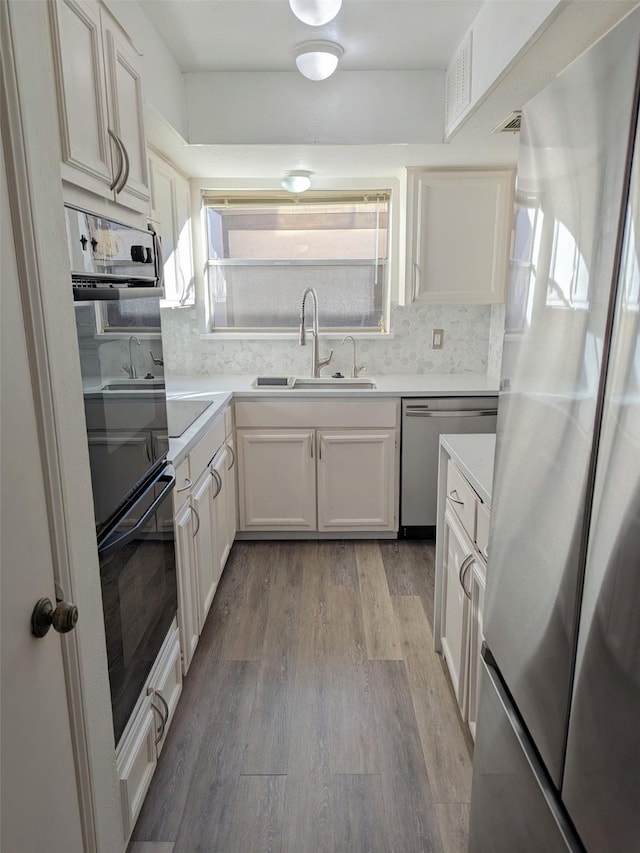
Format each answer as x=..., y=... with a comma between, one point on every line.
x=323, y=362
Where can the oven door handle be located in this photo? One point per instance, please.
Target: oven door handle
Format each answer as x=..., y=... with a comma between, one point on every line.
x=114, y=541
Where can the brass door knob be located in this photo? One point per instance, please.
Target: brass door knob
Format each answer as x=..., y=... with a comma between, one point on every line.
x=63, y=618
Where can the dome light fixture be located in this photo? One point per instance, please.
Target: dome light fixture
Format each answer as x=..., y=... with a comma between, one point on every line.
x=317, y=60
x=296, y=181
x=315, y=12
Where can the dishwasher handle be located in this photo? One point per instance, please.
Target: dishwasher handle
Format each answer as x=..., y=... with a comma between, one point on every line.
x=418, y=412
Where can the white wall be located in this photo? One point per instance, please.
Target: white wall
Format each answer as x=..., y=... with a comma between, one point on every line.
x=351, y=107
x=161, y=75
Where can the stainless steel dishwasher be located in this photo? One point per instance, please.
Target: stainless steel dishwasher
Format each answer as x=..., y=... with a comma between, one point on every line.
x=424, y=419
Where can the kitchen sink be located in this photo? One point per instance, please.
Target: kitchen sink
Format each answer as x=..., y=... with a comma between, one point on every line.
x=325, y=382
x=133, y=385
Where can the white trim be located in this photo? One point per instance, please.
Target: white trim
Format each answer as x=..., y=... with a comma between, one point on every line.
x=292, y=336
x=21, y=193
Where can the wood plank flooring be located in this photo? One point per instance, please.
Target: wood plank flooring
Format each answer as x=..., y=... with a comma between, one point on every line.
x=315, y=716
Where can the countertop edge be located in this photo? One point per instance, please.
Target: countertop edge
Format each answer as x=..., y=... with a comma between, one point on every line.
x=473, y=454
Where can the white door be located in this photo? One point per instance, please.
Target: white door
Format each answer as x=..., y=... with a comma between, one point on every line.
x=356, y=483
x=277, y=479
x=39, y=805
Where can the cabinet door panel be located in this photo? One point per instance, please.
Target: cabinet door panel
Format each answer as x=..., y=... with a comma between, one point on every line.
x=184, y=249
x=162, y=203
x=356, y=483
x=124, y=89
x=231, y=492
x=277, y=480
x=478, y=583
x=188, y=621
x=82, y=102
x=206, y=558
x=219, y=512
x=455, y=604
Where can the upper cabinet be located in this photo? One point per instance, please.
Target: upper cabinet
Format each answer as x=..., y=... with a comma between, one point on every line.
x=170, y=213
x=458, y=227
x=100, y=104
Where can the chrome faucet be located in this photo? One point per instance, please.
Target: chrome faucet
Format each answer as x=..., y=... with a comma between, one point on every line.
x=355, y=370
x=316, y=363
x=131, y=371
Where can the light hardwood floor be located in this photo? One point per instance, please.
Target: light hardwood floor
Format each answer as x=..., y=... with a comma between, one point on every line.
x=315, y=716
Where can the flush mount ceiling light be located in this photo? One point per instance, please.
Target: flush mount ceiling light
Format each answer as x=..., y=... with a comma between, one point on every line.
x=296, y=181
x=317, y=60
x=315, y=12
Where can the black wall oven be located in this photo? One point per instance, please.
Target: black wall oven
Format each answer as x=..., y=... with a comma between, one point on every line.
x=116, y=275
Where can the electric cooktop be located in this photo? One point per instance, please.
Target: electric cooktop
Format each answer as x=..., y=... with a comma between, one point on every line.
x=182, y=413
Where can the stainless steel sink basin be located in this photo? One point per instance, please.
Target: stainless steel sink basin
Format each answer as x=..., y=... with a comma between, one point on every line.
x=133, y=385
x=325, y=382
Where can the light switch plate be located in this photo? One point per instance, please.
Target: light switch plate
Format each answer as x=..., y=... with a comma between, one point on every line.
x=437, y=336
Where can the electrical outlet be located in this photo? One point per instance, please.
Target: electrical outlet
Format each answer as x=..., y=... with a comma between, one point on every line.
x=437, y=336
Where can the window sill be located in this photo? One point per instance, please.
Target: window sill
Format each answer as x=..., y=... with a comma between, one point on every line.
x=292, y=336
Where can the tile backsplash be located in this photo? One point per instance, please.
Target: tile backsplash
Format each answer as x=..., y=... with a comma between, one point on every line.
x=468, y=346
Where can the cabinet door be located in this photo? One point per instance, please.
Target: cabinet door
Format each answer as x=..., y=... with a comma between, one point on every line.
x=126, y=119
x=356, y=482
x=459, y=231
x=188, y=622
x=82, y=100
x=478, y=583
x=136, y=764
x=166, y=687
x=219, y=525
x=163, y=212
x=277, y=479
x=457, y=557
x=206, y=556
x=231, y=492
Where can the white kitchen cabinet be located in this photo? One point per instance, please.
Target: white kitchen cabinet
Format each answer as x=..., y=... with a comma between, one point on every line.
x=328, y=467
x=457, y=235
x=277, y=479
x=476, y=638
x=231, y=493
x=458, y=555
x=356, y=470
x=170, y=205
x=100, y=104
x=185, y=531
x=138, y=751
x=221, y=547
x=202, y=501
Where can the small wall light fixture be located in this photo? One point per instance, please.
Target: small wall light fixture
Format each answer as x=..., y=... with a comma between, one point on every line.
x=296, y=181
x=317, y=60
x=315, y=12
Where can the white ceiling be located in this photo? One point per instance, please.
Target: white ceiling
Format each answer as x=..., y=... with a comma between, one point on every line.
x=259, y=35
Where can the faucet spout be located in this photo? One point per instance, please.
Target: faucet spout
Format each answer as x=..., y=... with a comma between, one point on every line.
x=131, y=369
x=316, y=363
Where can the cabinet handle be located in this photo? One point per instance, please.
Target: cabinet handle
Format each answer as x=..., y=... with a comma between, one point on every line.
x=218, y=480
x=125, y=176
x=464, y=567
x=163, y=702
x=485, y=553
x=193, y=510
x=455, y=500
x=319, y=448
x=233, y=456
x=116, y=180
x=186, y=486
x=414, y=282
x=311, y=445
x=160, y=729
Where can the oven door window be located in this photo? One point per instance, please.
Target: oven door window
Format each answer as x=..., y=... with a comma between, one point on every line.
x=140, y=601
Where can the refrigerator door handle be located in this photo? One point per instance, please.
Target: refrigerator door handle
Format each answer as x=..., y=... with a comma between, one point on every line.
x=114, y=541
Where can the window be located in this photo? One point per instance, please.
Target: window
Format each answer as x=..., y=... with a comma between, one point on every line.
x=263, y=251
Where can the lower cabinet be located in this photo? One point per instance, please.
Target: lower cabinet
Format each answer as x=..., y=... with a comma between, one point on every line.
x=205, y=527
x=316, y=479
x=138, y=752
x=461, y=571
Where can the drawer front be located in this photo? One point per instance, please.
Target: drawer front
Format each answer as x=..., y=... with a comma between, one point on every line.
x=483, y=516
x=182, y=489
x=136, y=763
x=206, y=448
x=462, y=498
x=325, y=413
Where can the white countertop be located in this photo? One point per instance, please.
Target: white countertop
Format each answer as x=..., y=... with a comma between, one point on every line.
x=473, y=454
x=396, y=385
x=220, y=389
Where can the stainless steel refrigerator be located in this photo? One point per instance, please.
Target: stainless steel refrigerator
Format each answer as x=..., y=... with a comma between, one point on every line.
x=557, y=756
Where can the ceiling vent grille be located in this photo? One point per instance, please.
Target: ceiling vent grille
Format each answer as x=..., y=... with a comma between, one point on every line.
x=511, y=124
x=458, y=84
